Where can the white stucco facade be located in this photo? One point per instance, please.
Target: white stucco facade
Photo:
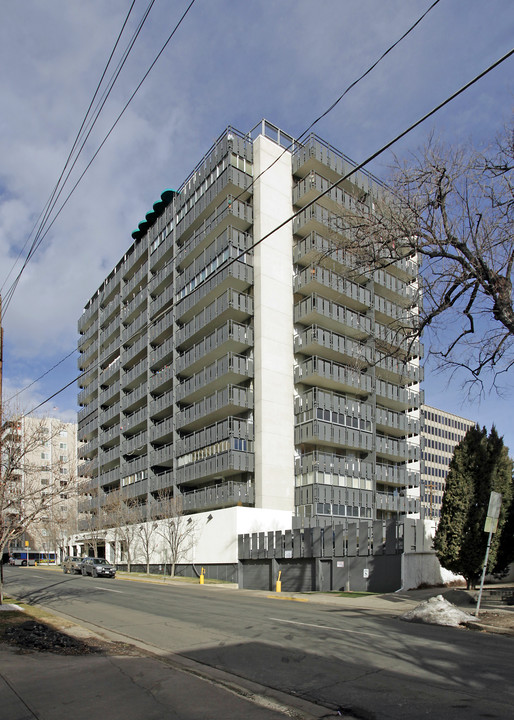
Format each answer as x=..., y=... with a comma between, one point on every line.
x=273, y=317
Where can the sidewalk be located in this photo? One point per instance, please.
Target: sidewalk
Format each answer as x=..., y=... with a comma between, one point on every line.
x=141, y=684
x=57, y=687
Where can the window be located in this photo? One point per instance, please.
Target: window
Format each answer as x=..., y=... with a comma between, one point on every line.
x=63, y=433
x=45, y=456
x=63, y=446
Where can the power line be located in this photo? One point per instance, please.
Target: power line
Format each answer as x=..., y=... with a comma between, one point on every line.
x=358, y=167
x=44, y=213
x=333, y=105
x=37, y=244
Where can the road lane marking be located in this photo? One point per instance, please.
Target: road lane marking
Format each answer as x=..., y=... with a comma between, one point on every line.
x=108, y=589
x=325, y=627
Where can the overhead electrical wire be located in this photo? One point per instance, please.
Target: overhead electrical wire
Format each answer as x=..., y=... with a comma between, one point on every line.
x=358, y=167
x=36, y=245
x=47, y=208
x=333, y=105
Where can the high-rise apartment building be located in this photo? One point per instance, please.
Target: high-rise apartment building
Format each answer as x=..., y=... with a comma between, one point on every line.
x=441, y=432
x=45, y=481
x=231, y=371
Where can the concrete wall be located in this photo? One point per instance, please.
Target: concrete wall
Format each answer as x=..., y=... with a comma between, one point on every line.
x=273, y=318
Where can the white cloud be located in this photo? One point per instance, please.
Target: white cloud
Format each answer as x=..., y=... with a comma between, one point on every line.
x=229, y=63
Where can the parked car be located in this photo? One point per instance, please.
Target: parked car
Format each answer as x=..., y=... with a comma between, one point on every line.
x=98, y=567
x=72, y=564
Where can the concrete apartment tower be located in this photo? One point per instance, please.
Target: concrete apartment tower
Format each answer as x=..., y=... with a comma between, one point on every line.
x=249, y=375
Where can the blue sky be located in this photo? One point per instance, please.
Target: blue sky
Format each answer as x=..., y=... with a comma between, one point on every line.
x=230, y=63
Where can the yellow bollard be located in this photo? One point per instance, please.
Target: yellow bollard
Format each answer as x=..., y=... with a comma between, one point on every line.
x=202, y=576
x=278, y=586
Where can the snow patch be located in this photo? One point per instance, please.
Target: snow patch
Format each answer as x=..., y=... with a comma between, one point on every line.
x=9, y=607
x=438, y=611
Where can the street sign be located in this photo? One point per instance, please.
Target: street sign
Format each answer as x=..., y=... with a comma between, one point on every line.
x=493, y=512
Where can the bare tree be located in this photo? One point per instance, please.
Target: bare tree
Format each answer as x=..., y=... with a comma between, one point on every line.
x=30, y=483
x=176, y=529
x=452, y=211
x=122, y=515
x=146, y=533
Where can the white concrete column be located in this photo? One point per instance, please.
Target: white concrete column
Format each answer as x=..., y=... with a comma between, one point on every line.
x=273, y=319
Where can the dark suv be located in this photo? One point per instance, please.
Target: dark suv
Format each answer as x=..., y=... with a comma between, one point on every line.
x=72, y=565
x=98, y=567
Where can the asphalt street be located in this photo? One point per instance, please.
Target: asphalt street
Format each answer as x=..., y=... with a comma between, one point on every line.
x=362, y=659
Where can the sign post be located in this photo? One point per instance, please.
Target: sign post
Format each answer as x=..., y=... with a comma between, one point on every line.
x=490, y=526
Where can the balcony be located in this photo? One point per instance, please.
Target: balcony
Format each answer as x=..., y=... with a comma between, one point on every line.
x=135, y=490
x=135, y=352
x=109, y=372
x=398, y=371
x=108, y=458
x=219, y=496
x=230, y=462
x=88, y=337
x=109, y=353
x=85, y=411
x=393, y=448
x=135, y=398
x=134, y=307
x=108, y=311
x=162, y=456
x=333, y=286
x=162, y=328
x=395, y=289
x=232, y=337
x=397, y=398
x=232, y=305
x=316, y=309
x=107, y=395
x=229, y=213
x=229, y=183
x=140, y=324
x=316, y=340
x=396, y=503
x=88, y=315
x=135, y=421
x=136, y=465
x=162, y=379
x=162, y=354
x=86, y=395
x=238, y=276
x=136, y=375
x=105, y=437
x=316, y=249
x=161, y=301
x=110, y=331
x=88, y=356
x=135, y=443
x=231, y=369
x=232, y=427
x=332, y=376
x=317, y=464
x=162, y=430
x=229, y=401
x=329, y=434
x=139, y=279
x=162, y=405
x=89, y=449
x=110, y=415
x=396, y=423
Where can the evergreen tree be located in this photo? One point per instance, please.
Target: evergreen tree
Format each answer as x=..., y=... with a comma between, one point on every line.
x=479, y=465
